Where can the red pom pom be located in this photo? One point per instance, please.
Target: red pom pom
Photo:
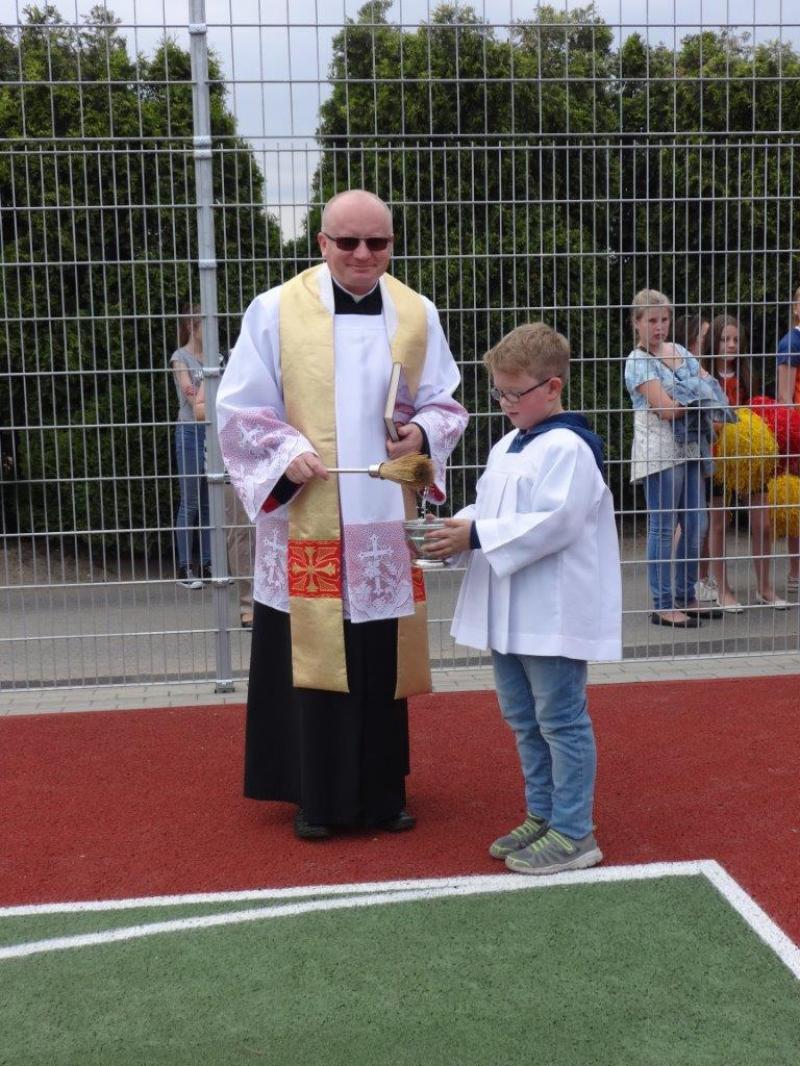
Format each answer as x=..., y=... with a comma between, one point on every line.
x=784, y=421
x=768, y=405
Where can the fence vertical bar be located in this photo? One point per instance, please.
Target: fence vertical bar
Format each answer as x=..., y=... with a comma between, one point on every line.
x=207, y=264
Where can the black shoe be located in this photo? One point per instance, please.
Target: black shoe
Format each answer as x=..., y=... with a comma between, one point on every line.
x=691, y=622
x=188, y=579
x=306, y=831
x=205, y=572
x=703, y=612
x=399, y=824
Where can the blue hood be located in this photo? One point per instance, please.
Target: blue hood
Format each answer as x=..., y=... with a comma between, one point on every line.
x=566, y=420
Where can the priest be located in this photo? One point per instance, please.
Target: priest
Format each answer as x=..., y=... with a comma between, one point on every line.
x=340, y=628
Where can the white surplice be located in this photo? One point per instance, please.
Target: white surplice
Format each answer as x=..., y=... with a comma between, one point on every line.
x=258, y=445
x=546, y=580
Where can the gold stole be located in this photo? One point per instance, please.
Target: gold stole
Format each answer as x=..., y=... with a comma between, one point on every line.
x=315, y=536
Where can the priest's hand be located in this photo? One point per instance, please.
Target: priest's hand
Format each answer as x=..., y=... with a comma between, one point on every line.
x=454, y=538
x=305, y=467
x=411, y=440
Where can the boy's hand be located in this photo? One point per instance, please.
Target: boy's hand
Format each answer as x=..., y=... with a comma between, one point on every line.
x=454, y=538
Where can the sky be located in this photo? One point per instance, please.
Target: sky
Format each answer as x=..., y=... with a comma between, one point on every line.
x=276, y=54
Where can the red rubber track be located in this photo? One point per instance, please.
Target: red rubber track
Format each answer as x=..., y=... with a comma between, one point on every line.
x=138, y=803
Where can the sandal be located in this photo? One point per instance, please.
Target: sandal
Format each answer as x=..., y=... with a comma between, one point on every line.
x=730, y=606
x=776, y=603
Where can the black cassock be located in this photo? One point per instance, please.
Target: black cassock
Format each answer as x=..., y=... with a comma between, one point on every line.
x=341, y=757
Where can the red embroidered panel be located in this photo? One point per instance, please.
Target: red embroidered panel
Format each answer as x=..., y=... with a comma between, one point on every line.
x=315, y=569
x=418, y=583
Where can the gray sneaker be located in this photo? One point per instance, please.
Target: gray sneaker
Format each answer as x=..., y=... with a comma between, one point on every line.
x=553, y=852
x=531, y=829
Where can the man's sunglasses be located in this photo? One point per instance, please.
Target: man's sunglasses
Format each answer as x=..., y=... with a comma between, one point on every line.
x=349, y=244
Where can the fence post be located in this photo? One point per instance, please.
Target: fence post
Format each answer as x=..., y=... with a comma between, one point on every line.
x=207, y=264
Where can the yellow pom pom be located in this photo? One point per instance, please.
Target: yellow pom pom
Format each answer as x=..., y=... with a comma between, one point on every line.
x=746, y=454
x=783, y=493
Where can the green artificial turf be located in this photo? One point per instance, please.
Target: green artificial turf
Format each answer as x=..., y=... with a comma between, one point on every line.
x=651, y=973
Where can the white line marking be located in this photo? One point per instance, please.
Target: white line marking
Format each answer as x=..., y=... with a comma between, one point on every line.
x=392, y=892
x=604, y=873
x=758, y=920
x=339, y=897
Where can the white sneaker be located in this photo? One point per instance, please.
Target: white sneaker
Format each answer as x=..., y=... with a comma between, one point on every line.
x=187, y=578
x=706, y=591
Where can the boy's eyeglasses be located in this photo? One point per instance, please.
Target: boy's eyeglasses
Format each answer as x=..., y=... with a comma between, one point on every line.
x=349, y=244
x=515, y=397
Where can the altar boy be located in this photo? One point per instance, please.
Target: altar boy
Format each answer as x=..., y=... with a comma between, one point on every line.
x=542, y=590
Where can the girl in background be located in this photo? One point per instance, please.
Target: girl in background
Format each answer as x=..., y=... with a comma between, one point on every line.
x=691, y=331
x=190, y=438
x=670, y=468
x=731, y=368
x=788, y=392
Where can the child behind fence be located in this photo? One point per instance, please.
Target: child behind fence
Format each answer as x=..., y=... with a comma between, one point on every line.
x=726, y=360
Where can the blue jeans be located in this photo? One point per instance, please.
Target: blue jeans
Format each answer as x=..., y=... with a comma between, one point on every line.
x=677, y=494
x=543, y=699
x=190, y=438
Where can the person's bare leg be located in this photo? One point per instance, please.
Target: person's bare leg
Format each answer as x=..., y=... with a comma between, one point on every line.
x=793, y=550
x=717, y=522
x=761, y=545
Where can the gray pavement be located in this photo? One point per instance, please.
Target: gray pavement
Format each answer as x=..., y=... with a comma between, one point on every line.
x=459, y=679
x=120, y=639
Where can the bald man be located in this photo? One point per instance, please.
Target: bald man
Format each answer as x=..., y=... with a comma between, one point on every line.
x=340, y=628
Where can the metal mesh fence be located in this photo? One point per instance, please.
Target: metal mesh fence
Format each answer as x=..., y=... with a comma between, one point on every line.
x=541, y=162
